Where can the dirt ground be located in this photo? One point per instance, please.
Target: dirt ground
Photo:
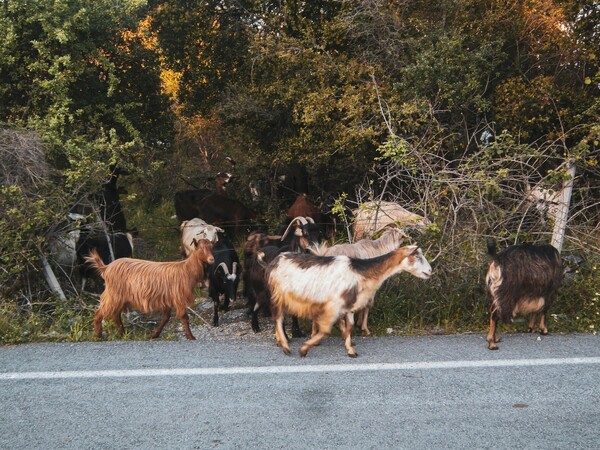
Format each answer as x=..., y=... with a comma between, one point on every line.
x=234, y=323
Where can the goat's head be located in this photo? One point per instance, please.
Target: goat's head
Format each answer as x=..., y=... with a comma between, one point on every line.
x=415, y=262
x=203, y=250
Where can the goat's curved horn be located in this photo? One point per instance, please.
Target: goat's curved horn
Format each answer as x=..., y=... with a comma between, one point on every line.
x=300, y=219
x=287, y=230
x=234, y=268
x=224, y=266
x=310, y=219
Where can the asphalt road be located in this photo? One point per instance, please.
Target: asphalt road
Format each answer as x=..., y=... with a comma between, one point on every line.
x=446, y=392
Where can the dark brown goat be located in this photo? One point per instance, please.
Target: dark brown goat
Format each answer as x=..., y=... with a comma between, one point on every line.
x=186, y=202
x=304, y=207
x=149, y=286
x=523, y=279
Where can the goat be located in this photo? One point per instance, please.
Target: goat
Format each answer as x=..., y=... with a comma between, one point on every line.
x=305, y=233
x=149, y=286
x=523, y=279
x=328, y=288
x=304, y=207
x=255, y=285
x=372, y=217
x=214, y=208
x=110, y=247
x=195, y=229
x=62, y=241
x=545, y=201
x=186, y=202
x=390, y=240
x=223, y=276
x=110, y=203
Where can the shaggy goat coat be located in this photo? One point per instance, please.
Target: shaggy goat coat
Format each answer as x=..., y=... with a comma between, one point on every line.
x=149, y=286
x=327, y=288
x=523, y=279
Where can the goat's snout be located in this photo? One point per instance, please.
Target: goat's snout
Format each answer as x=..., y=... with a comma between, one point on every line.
x=426, y=274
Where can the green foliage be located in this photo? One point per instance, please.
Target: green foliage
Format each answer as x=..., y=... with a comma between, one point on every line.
x=21, y=218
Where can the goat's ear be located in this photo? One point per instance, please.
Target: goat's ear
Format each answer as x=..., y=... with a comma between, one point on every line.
x=413, y=249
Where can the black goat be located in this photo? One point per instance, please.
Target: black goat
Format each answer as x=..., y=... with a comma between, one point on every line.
x=523, y=279
x=224, y=276
x=300, y=234
x=121, y=246
x=256, y=289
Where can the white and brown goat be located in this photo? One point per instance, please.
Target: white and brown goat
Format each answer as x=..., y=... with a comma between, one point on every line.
x=328, y=288
x=390, y=240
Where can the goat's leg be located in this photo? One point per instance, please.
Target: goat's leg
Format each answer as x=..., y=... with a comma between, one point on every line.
x=186, y=325
x=226, y=301
x=166, y=315
x=117, y=320
x=313, y=341
x=98, y=324
x=296, y=331
x=531, y=326
x=543, y=329
x=280, y=336
x=216, y=311
x=315, y=327
x=492, y=339
x=324, y=323
x=363, y=322
x=254, y=320
x=347, y=335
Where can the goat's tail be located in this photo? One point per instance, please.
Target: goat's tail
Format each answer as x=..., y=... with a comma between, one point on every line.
x=94, y=260
x=492, y=247
x=260, y=258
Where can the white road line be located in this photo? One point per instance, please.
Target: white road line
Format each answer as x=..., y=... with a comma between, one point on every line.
x=433, y=365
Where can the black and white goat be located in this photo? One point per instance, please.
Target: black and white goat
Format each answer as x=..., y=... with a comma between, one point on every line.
x=223, y=276
x=328, y=288
x=390, y=240
x=523, y=279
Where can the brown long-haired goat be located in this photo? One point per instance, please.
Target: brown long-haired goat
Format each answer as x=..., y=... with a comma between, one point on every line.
x=150, y=286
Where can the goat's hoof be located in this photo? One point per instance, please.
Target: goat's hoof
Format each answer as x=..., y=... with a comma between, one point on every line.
x=492, y=347
x=286, y=351
x=352, y=355
x=303, y=352
x=544, y=332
